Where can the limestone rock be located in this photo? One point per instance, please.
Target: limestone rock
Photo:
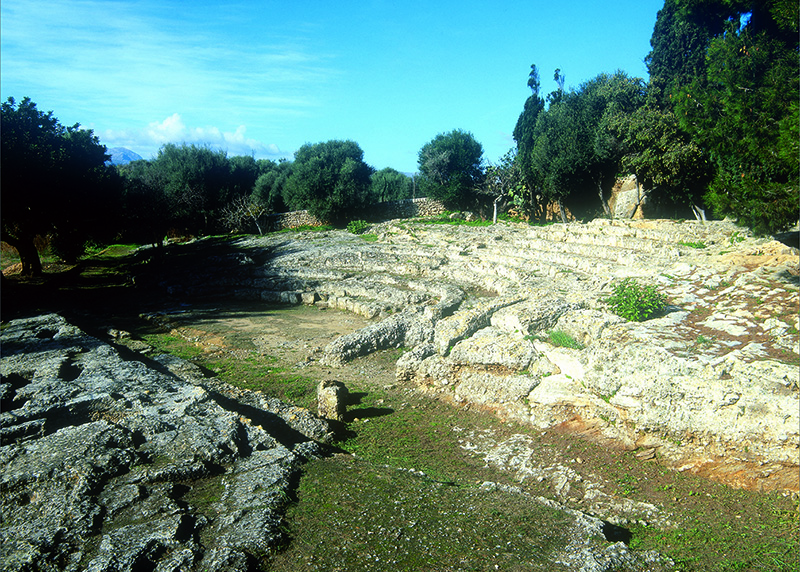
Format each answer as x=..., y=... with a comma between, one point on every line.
x=332, y=400
x=466, y=322
x=682, y=381
x=489, y=346
x=131, y=454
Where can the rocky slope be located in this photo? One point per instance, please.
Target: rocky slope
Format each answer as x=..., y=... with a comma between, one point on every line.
x=711, y=386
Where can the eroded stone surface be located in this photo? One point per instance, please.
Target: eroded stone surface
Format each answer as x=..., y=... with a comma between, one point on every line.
x=711, y=386
x=112, y=465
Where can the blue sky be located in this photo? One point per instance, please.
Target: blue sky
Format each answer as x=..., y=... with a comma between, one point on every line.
x=266, y=77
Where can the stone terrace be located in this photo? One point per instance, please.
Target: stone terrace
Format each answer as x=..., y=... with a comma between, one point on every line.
x=711, y=386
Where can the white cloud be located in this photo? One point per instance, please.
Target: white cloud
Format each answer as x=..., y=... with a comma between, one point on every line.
x=148, y=140
x=117, y=65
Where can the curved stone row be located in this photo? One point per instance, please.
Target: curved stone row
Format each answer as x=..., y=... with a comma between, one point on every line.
x=476, y=305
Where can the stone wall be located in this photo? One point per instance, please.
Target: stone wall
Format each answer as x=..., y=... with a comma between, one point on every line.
x=407, y=208
x=293, y=219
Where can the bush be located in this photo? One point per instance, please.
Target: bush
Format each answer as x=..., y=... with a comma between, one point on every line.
x=357, y=226
x=635, y=302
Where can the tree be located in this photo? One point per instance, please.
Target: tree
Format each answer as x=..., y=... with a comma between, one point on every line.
x=329, y=179
x=451, y=168
x=244, y=171
x=505, y=181
x=197, y=185
x=679, y=43
x=54, y=182
x=743, y=109
x=390, y=185
x=728, y=69
x=524, y=137
x=662, y=156
x=559, y=153
x=148, y=212
x=270, y=186
x=241, y=211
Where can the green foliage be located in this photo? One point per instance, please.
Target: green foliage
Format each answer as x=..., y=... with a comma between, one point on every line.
x=451, y=169
x=698, y=244
x=270, y=186
x=390, y=185
x=329, y=179
x=357, y=226
x=667, y=163
x=564, y=340
x=729, y=70
x=55, y=182
x=680, y=41
x=506, y=180
x=636, y=302
x=569, y=152
x=524, y=137
x=196, y=186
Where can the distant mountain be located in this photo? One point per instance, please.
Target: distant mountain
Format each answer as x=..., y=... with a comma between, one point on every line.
x=122, y=156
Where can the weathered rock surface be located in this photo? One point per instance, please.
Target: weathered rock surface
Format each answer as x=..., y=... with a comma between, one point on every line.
x=112, y=464
x=332, y=400
x=711, y=386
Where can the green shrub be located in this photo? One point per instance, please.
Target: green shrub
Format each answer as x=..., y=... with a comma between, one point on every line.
x=357, y=226
x=635, y=302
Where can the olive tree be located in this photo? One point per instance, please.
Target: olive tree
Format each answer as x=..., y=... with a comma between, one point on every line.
x=451, y=168
x=55, y=182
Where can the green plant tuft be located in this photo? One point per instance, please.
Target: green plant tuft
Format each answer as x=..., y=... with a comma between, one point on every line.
x=564, y=340
x=692, y=244
x=357, y=226
x=635, y=302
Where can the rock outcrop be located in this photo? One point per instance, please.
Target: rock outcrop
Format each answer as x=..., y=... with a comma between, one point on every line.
x=117, y=463
x=113, y=462
x=711, y=386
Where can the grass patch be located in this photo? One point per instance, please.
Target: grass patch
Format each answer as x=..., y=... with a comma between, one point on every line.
x=260, y=373
x=173, y=345
x=370, y=237
x=557, y=338
x=353, y=515
x=306, y=228
x=766, y=542
x=256, y=372
x=697, y=245
x=444, y=218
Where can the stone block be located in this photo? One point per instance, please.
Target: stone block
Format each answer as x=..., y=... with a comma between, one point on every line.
x=332, y=400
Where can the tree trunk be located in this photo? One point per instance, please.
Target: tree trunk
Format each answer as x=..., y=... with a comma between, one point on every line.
x=699, y=214
x=606, y=208
x=561, y=210
x=28, y=256
x=639, y=198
